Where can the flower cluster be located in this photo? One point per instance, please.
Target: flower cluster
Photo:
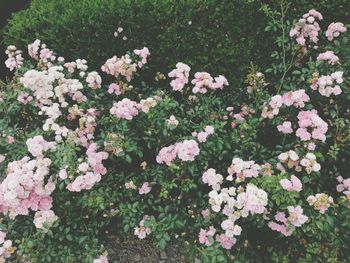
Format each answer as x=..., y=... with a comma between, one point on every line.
x=94, y=80
x=213, y=179
x=307, y=28
x=292, y=185
x=186, y=150
x=123, y=66
x=143, y=54
x=234, y=203
x=291, y=158
x=44, y=219
x=242, y=169
x=203, y=135
x=38, y=145
x=343, y=186
x=6, y=247
x=295, y=98
x=15, y=59
x=206, y=237
x=79, y=64
x=46, y=91
x=203, y=81
x=328, y=85
x=172, y=122
x=285, y=127
x=24, y=98
x=286, y=225
x=130, y=185
x=142, y=231
x=125, y=109
x=310, y=163
x=225, y=241
x=311, y=126
x=320, y=202
x=252, y=200
x=114, y=88
x=145, y=188
x=245, y=112
x=83, y=135
x=91, y=170
x=146, y=104
x=41, y=53
x=328, y=56
x=181, y=74
x=25, y=187
x=334, y=30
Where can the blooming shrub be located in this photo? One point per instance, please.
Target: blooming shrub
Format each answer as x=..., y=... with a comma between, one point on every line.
x=92, y=154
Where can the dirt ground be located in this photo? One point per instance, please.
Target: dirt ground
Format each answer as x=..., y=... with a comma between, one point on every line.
x=130, y=249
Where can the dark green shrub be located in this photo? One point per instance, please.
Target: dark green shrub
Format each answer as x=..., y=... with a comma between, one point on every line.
x=216, y=36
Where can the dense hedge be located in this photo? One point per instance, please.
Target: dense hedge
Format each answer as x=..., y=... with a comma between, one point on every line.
x=216, y=36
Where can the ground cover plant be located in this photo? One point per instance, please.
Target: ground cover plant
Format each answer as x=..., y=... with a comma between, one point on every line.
x=257, y=177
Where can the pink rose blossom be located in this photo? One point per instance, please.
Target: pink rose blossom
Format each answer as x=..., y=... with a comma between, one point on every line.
x=145, y=188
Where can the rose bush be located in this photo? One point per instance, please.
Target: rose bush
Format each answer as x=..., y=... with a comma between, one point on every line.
x=86, y=155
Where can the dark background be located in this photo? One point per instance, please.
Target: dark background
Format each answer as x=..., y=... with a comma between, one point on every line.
x=7, y=7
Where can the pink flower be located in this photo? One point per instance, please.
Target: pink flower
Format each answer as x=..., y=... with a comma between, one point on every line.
x=253, y=200
x=123, y=66
x=328, y=56
x=15, y=59
x=145, y=188
x=205, y=213
x=293, y=185
x=63, y=174
x=166, y=155
x=310, y=120
x=37, y=146
x=24, y=98
x=296, y=216
x=91, y=170
x=202, y=137
x=44, y=219
x=203, y=236
x=343, y=186
x=125, y=109
x=213, y=179
x=334, y=30
x=328, y=85
x=209, y=129
x=242, y=169
x=231, y=229
x=282, y=228
x=10, y=139
x=94, y=80
x=204, y=81
x=285, y=128
x=2, y=158
x=143, y=54
x=142, y=231
x=307, y=28
x=225, y=241
x=101, y=259
x=187, y=150
x=114, y=88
